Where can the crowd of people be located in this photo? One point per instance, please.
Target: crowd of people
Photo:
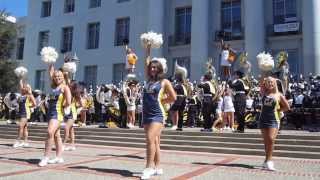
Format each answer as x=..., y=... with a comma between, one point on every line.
x=121, y=105
x=232, y=103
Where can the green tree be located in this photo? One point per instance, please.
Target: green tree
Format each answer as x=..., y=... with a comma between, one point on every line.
x=8, y=80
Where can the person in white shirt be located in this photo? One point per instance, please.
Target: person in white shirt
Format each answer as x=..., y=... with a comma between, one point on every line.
x=224, y=62
x=228, y=108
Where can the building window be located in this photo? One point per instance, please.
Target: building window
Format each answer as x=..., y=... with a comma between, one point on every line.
x=122, y=31
x=118, y=72
x=40, y=79
x=20, y=47
x=182, y=61
x=183, y=25
x=46, y=9
x=94, y=3
x=66, y=42
x=93, y=35
x=90, y=75
x=43, y=40
x=121, y=1
x=231, y=18
x=284, y=11
x=68, y=6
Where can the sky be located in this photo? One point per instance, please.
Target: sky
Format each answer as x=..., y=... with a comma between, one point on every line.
x=16, y=8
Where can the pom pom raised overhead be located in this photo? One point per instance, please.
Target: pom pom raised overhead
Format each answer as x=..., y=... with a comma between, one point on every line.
x=265, y=62
x=49, y=55
x=69, y=67
x=151, y=38
x=21, y=72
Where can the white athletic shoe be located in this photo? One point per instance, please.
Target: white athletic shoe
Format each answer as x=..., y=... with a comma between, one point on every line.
x=56, y=161
x=25, y=144
x=72, y=148
x=147, y=173
x=174, y=127
x=43, y=162
x=131, y=125
x=268, y=166
x=158, y=172
x=17, y=144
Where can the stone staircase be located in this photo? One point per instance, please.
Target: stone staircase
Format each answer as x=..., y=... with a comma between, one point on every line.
x=295, y=145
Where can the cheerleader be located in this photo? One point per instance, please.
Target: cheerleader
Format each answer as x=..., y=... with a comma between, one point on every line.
x=76, y=107
x=273, y=103
x=59, y=98
x=26, y=101
x=157, y=92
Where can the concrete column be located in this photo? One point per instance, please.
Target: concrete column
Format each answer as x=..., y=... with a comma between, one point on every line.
x=156, y=22
x=254, y=30
x=199, y=37
x=311, y=36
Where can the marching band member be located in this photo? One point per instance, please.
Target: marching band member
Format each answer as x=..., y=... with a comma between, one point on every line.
x=177, y=109
x=208, y=99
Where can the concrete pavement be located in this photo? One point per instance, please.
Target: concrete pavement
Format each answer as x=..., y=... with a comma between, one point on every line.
x=104, y=162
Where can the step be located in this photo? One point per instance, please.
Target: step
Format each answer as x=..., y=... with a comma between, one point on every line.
x=311, y=136
x=211, y=138
x=187, y=142
x=224, y=150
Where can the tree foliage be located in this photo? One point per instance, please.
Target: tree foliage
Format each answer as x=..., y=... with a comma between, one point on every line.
x=8, y=80
x=7, y=36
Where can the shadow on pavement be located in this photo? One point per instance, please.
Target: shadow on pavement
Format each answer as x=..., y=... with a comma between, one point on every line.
x=30, y=161
x=228, y=165
x=9, y=145
x=123, y=173
x=125, y=156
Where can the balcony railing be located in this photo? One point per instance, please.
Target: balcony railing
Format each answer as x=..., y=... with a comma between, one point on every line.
x=179, y=39
x=292, y=28
x=228, y=36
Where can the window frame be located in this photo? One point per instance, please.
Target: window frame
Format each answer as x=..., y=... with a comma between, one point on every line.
x=41, y=37
x=46, y=7
x=69, y=6
x=20, y=48
x=94, y=28
x=66, y=39
x=123, y=22
x=283, y=18
x=94, y=4
x=231, y=5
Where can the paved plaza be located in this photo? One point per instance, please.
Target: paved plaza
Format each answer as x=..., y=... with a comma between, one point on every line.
x=102, y=162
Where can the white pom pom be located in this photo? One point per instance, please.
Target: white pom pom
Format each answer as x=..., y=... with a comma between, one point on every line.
x=152, y=38
x=70, y=67
x=21, y=72
x=49, y=55
x=163, y=62
x=265, y=61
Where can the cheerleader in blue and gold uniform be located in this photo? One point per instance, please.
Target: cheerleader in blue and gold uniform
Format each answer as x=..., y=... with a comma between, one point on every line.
x=59, y=101
x=157, y=92
x=273, y=103
x=26, y=101
x=76, y=107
